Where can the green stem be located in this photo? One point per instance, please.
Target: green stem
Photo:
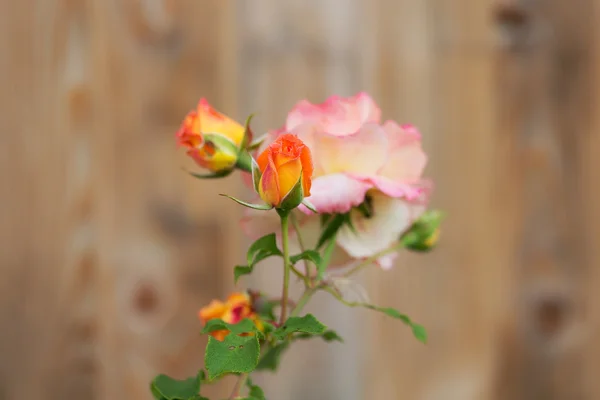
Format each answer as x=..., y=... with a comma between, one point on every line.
x=238, y=386
x=372, y=259
x=345, y=302
x=286, y=265
x=302, y=249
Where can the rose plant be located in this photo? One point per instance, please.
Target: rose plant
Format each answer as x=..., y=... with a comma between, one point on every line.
x=336, y=191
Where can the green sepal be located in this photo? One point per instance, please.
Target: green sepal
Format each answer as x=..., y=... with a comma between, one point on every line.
x=247, y=133
x=235, y=354
x=221, y=174
x=223, y=144
x=256, y=174
x=263, y=207
x=164, y=387
x=244, y=161
x=294, y=197
x=309, y=205
x=255, y=144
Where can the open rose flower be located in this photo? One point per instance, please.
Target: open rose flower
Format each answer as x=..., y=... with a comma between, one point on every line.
x=213, y=140
x=286, y=171
x=237, y=307
x=358, y=160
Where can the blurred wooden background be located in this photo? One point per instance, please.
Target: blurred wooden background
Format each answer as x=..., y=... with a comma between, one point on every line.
x=108, y=249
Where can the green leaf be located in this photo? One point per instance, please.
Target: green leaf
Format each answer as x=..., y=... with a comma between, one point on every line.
x=270, y=360
x=249, y=205
x=164, y=387
x=332, y=227
x=254, y=391
x=155, y=393
x=328, y=336
x=235, y=354
x=241, y=270
x=418, y=330
x=332, y=336
x=307, y=324
x=308, y=255
x=244, y=326
x=264, y=247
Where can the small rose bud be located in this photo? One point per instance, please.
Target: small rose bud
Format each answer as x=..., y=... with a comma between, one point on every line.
x=424, y=233
x=285, y=172
x=213, y=140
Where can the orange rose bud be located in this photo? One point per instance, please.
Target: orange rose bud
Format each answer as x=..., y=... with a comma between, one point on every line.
x=213, y=140
x=286, y=170
x=237, y=307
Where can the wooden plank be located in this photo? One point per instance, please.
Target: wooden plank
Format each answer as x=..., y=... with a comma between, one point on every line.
x=548, y=115
x=443, y=75
x=133, y=247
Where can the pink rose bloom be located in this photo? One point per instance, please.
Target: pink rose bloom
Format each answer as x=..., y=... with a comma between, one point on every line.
x=356, y=158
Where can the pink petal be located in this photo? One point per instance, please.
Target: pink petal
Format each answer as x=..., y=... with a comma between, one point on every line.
x=337, y=115
x=396, y=189
x=363, y=153
x=406, y=159
x=369, y=112
x=336, y=193
x=391, y=217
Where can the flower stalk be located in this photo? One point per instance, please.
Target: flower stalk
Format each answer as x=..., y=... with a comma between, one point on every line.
x=284, y=215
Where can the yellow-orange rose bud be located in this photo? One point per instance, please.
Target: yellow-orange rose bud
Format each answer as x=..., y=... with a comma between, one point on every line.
x=286, y=170
x=237, y=307
x=213, y=140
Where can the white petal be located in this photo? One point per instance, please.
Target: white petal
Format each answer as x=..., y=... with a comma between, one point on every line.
x=390, y=218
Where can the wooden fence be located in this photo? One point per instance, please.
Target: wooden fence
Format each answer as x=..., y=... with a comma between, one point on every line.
x=108, y=249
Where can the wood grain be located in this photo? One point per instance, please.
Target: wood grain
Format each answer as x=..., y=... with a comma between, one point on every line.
x=107, y=249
